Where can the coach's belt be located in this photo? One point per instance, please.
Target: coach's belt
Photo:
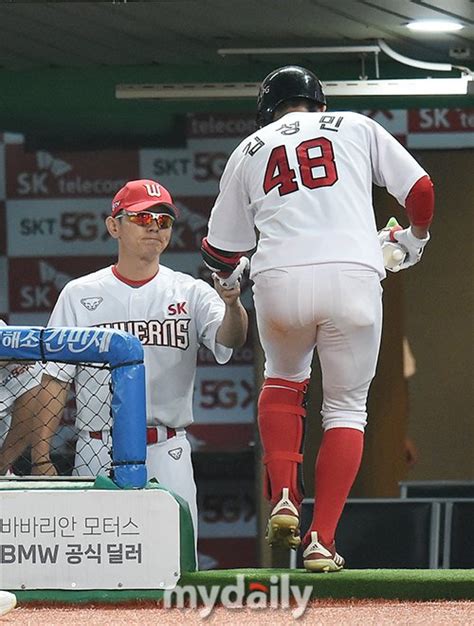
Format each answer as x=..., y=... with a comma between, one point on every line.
x=152, y=434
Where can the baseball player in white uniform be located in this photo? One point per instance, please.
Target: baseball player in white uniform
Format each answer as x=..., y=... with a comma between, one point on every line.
x=18, y=381
x=304, y=180
x=170, y=312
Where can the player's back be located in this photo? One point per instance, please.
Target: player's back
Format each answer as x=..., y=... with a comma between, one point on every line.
x=308, y=180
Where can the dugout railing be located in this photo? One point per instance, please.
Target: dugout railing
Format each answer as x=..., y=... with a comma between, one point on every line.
x=122, y=355
x=383, y=533
x=458, y=489
x=401, y=533
x=456, y=498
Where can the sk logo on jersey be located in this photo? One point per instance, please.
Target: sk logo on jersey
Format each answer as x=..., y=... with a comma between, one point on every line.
x=91, y=303
x=175, y=453
x=177, y=309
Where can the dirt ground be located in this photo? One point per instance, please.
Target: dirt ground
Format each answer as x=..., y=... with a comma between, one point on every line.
x=323, y=612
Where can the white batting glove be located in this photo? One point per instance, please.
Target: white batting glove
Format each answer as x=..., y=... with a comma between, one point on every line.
x=230, y=281
x=412, y=245
x=393, y=253
x=393, y=256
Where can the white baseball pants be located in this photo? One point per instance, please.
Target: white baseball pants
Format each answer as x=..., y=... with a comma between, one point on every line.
x=335, y=308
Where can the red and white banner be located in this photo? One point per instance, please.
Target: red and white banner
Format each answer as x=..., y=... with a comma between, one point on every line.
x=441, y=128
x=441, y=120
x=221, y=437
x=224, y=395
x=216, y=553
x=35, y=283
x=191, y=171
x=3, y=229
x=46, y=174
x=219, y=125
x=227, y=508
x=4, y=308
x=227, y=516
x=72, y=227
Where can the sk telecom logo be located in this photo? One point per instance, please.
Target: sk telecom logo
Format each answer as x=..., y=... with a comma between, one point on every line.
x=38, y=183
x=49, y=274
x=46, y=161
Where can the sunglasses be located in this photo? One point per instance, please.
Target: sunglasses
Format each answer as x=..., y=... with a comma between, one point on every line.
x=146, y=218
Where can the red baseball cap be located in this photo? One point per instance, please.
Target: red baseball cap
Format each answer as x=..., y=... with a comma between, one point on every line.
x=141, y=195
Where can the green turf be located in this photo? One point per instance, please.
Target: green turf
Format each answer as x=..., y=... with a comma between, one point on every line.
x=410, y=584
x=403, y=584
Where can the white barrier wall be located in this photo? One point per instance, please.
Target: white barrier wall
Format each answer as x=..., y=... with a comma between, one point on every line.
x=85, y=539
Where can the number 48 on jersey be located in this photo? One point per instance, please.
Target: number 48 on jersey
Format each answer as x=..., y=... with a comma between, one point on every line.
x=318, y=170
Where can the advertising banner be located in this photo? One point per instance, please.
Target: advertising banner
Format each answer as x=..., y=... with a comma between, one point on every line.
x=3, y=286
x=72, y=227
x=72, y=539
x=224, y=395
x=44, y=174
x=38, y=281
x=227, y=508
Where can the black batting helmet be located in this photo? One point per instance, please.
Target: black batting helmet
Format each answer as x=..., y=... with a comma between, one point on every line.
x=286, y=83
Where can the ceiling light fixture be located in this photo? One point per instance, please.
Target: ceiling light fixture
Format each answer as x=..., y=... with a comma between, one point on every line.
x=434, y=26
x=376, y=87
x=347, y=88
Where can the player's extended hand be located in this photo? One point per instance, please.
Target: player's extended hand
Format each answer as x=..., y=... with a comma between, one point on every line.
x=400, y=247
x=393, y=253
x=228, y=281
x=413, y=245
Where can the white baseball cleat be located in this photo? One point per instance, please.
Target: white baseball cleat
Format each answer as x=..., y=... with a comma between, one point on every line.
x=283, y=528
x=7, y=602
x=320, y=558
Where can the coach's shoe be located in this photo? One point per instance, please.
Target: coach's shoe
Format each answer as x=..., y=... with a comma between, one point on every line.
x=7, y=602
x=320, y=558
x=283, y=528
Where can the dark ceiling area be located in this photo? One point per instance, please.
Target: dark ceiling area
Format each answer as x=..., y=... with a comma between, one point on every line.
x=190, y=32
x=60, y=62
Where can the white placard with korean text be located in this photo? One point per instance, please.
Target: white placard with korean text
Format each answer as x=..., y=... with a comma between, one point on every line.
x=89, y=539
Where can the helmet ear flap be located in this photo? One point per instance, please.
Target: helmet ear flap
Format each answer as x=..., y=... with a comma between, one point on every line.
x=286, y=83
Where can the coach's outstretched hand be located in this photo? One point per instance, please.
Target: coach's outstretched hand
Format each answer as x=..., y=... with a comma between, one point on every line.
x=229, y=296
x=233, y=329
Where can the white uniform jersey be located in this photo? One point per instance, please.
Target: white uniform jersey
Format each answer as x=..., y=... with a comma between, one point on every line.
x=305, y=182
x=171, y=315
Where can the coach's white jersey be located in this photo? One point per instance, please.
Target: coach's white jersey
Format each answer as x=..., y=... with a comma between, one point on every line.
x=171, y=315
x=305, y=182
